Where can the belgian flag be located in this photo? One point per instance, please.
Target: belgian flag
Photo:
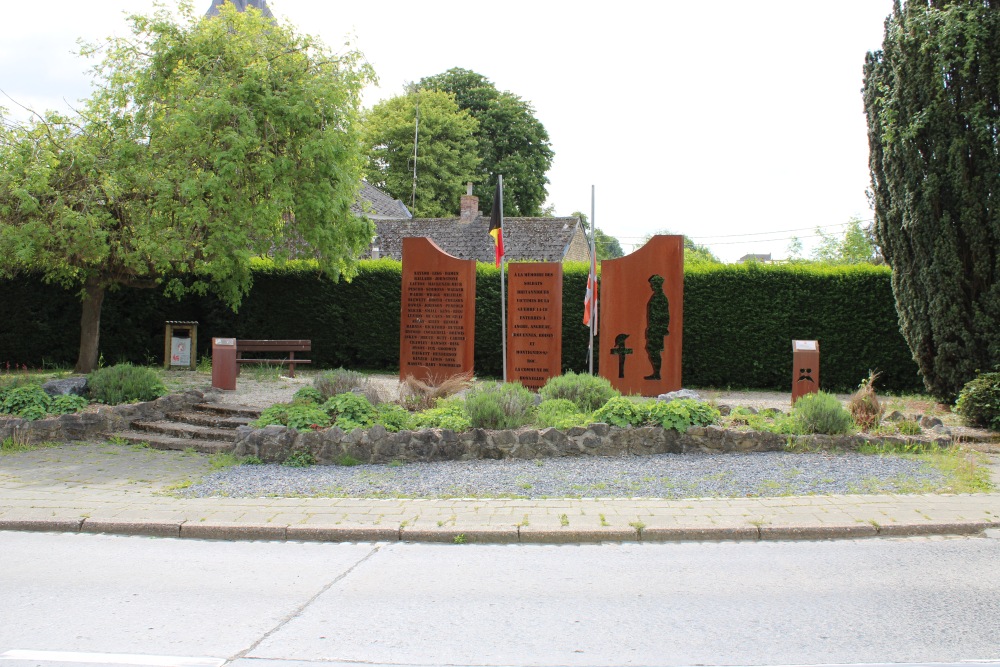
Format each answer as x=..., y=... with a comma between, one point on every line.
x=496, y=221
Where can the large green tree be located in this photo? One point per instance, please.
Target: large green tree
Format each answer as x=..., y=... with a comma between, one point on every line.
x=206, y=142
x=855, y=246
x=512, y=142
x=932, y=99
x=446, y=157
x=695, y=254
x=607, y=246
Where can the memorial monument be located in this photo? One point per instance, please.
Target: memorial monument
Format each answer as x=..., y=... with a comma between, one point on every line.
x=642, y=318
x=437, y=312
x=534, y=322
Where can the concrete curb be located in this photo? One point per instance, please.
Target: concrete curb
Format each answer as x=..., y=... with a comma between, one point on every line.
x=488, y=535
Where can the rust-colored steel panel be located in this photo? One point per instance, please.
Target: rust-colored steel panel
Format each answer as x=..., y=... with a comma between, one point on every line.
x=437, y=321
x=805, y=368
x=534, y=322
x=642, y=318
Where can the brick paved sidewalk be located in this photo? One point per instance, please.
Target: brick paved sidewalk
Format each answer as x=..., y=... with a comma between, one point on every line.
x=125, y=490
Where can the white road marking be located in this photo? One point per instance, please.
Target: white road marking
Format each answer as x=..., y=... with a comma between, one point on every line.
x=113, y=658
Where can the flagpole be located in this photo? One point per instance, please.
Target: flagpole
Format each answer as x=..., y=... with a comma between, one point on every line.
x=593, y=260
x=503, y=287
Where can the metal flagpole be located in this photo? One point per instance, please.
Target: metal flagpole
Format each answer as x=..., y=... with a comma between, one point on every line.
x=503, y=286
x=593, y=267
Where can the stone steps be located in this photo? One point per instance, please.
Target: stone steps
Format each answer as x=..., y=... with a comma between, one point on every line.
x=228, y=409
x=157, y=441
x=208, y=428
x=210, y=420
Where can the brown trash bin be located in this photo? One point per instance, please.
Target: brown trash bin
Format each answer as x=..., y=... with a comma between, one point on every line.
x=805, y=368
x=224, y=363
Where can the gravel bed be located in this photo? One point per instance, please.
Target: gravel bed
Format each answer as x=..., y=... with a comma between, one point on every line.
x=672, y=476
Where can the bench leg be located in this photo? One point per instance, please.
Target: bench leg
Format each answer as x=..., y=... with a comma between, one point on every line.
x=291, y=364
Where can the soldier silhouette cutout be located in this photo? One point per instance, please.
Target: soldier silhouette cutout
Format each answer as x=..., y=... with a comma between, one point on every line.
x=657, y=324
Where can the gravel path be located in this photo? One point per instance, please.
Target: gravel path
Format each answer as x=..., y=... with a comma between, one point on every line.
x=660, y=476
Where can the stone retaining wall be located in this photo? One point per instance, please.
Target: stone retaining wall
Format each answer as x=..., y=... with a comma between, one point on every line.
x=106, y=421
x=376, y=445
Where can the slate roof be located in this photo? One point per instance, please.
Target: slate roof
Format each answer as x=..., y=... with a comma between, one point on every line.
x=241, y=6
x=378, y=205
x=538, y=239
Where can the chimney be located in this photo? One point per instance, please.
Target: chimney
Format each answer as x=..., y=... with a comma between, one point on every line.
x=470, y=206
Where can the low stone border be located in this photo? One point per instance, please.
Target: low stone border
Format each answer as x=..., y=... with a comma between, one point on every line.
x=376, y=445
x=105, y=421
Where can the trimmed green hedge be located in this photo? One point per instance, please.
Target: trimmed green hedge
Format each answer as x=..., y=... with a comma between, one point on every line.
x=739, y=321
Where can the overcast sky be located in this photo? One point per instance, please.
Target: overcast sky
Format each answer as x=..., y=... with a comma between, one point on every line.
x=737, y=123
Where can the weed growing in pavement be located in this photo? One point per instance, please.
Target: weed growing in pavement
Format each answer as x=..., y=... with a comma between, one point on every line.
x=460, y=539
x=204, y=364
x=222, y=460
x=180, y=486
x=563, y=520
x=16, y=443
x=262, y=373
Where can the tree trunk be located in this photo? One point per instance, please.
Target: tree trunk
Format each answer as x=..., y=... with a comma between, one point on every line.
x=90, y=325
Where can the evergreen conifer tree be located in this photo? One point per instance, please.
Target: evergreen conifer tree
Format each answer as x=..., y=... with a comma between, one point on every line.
x=932, y=100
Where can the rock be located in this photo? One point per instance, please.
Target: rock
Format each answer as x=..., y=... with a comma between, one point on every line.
x=895, y=416
x=930, y=422
x=680, y=393
x=75, y=385
x=724, y=409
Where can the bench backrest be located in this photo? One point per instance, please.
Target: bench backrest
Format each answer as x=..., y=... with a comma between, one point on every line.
x=243, y=345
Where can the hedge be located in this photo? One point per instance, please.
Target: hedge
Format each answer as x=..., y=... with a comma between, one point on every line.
x=739, y=321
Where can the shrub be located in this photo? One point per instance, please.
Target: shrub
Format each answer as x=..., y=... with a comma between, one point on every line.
x=822, y=413
x=559, y=413
x=300, y=458
x=67, y=404
x=622, y=412
x=587, y=392
x=343, y=381
x=26, y=401
x=420, y=395
x=393, y=417
x=125, y=383
x=864, y=405
x=448, y=413
x=979, y=401
x=295, y=415
x=679, y=414
x=498, y=406
x=351, y=411
x=308, y=395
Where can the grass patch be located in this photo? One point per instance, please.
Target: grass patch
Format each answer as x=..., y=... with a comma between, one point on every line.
x=222, y=460
x=965, y=471
x=19, y=443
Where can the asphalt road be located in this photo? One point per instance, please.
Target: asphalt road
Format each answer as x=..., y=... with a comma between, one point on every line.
x=102, y=599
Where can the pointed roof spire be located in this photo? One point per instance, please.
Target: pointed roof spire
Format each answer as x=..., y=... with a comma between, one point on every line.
x=241, y=6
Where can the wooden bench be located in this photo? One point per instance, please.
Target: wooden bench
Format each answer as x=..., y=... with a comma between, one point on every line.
x=286, y=347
